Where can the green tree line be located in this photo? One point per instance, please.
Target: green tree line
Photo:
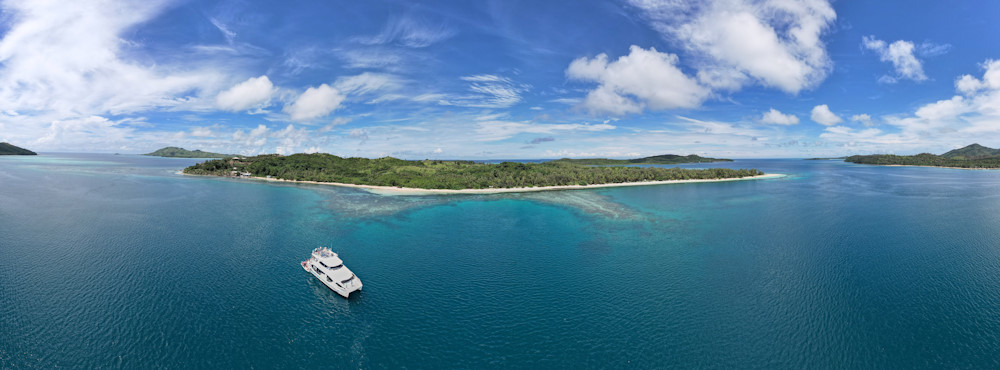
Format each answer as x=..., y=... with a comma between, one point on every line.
x=436, y=174
x=924, y=159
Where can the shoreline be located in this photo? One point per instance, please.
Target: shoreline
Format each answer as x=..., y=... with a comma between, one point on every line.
x=923, y=165
x=391, y=190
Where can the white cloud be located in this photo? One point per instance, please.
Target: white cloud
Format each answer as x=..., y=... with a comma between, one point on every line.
x=367, y=83
x=969, y=85
x=336, y=122
x=773, y=42
x=901, y=54
x=941, y=125
x=492, y=92
x=499, y=130
x=644, y=78
x=202, y=132
x=821, y=114
x=848, y=135
x=290, y=139
x=864, y=119
x=488, y=91
x=83, y=133
x=410, y=32
x=70, y=59
x=253, y=92
x=256, y=138
x=775, y=117
x=373, y=57
x=314, y=102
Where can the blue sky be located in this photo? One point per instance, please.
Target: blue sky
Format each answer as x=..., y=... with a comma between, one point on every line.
x=501, y=79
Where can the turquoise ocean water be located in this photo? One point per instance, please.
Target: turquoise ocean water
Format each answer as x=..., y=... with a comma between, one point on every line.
x=118, y=261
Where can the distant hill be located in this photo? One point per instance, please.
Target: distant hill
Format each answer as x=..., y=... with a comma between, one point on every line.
x=972, y=156
x=8, y=149
x=175, y=152
x=974, y=151
x=656, y=159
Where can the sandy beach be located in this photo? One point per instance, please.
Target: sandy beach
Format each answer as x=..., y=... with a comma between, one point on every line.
x=390, y=190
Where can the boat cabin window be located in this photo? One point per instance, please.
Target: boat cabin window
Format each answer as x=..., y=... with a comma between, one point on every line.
x=348, y=279
x=332, y=268
x=317, y=270
x=329, y=279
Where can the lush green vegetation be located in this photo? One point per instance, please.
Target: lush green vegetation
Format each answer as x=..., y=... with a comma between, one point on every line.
x=435, y=174
x=824, y=159
x=8, y=149
x=175, y=152
x=656, y=159
x=972, y=156
x=974, y=151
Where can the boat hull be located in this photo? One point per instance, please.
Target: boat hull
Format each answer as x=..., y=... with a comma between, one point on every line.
x=344, y=292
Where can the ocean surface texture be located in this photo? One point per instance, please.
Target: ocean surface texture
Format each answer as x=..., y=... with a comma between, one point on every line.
x=119, y=261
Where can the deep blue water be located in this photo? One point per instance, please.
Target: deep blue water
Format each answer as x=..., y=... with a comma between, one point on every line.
x=117, y=261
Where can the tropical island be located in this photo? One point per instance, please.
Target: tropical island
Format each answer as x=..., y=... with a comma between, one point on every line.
x=974, y=156
x=389, y=173
x=10, y=149
x=175, y=152
x=656, y=159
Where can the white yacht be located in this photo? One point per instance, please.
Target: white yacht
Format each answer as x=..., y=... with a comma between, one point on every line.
x=328, y=268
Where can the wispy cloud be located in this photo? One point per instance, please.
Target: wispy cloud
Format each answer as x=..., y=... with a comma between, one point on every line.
x=410, y=32
x=487, y=91
x=500, y=130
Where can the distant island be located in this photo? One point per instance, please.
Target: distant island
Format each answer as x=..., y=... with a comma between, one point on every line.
x=656, y=159
x=451, y=176
x=825, y=159
x=8, y=149
x=175, y=152
x=972, y=156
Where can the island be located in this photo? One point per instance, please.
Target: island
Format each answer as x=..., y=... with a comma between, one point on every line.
x=9, y=149
x=656, y=159
x=175, y=152
x=973, y=156
x=826, y=158
x=441, y=176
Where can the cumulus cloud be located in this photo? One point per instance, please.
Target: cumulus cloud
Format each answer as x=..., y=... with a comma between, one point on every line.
x=290, y=139
x=775, y=43
x=644, y=78
x=314, y=102
x=941, y=125
x=255, y=138
x=864, y=119
x=968, y=85
x=253, y=92
x=900, y=54
x=71, y=59
x=821, y=114
x=775, y=117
